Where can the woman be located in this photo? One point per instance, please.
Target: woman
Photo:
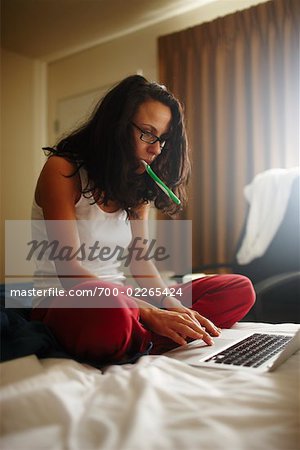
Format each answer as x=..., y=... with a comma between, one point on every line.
x=93, y=188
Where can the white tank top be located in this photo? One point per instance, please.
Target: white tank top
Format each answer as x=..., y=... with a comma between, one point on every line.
x=97, y=229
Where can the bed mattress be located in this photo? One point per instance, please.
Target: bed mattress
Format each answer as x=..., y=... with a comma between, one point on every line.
x=157, y=403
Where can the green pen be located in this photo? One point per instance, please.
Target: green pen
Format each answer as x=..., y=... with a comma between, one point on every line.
x=160, y=183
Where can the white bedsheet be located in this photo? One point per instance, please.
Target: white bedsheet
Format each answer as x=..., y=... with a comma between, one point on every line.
x=158, y=403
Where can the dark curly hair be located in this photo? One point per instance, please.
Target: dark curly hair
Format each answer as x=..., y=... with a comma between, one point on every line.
x=104, y=147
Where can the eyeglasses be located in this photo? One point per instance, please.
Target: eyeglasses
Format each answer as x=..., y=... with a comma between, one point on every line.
x=150, y=138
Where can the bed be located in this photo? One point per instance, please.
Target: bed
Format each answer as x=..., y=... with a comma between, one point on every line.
x=156, y=403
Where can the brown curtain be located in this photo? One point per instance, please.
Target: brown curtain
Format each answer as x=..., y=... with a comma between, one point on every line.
x=238, y=80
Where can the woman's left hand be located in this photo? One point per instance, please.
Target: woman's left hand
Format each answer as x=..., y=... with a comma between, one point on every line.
x=173, y=304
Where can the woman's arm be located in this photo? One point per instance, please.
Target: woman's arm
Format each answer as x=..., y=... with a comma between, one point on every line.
x=142, y=268
x=175, y=321
x=57, y=193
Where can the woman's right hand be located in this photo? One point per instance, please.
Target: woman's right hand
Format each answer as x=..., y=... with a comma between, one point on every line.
x=175, y=325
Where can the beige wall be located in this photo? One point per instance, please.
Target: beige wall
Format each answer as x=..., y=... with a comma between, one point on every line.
x=22, y=131
x=25, y=89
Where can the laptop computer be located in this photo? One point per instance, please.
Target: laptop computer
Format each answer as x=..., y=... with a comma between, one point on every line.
x=240, y=350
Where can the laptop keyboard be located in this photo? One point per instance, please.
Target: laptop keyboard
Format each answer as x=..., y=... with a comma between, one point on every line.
x=252, y=351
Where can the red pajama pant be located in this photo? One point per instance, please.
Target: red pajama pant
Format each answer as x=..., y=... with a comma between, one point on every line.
x=114, y=334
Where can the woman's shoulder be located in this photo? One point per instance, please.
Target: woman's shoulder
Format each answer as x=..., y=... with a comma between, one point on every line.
x=61, y=165
x=60, y=170
x=59, y=178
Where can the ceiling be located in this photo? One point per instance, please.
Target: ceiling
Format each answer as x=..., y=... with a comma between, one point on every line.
x=48, y=29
